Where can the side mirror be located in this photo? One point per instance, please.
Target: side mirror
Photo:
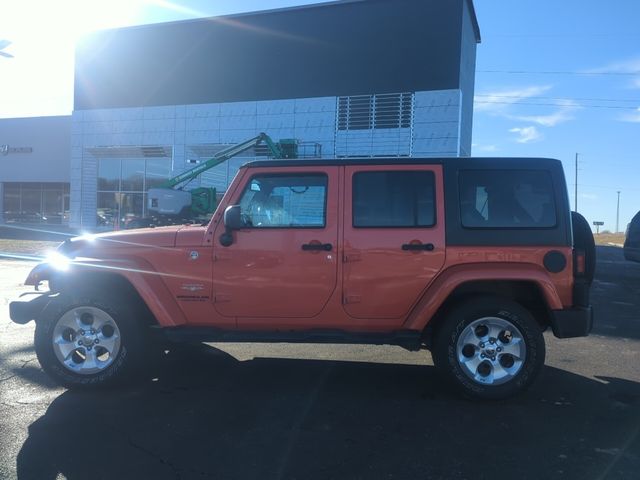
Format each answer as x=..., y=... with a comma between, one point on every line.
x=232, y=221
x=233, y=218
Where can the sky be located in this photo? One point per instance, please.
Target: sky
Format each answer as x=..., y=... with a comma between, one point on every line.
x=553, y=78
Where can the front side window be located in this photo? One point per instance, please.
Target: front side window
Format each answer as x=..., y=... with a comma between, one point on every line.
x=506, y=199
x=285, y=201
x=394, y=199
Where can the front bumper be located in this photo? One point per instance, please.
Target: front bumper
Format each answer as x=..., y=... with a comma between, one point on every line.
x=24, y=312
x=572, y=322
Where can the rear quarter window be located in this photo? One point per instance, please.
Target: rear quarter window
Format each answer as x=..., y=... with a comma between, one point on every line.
x=507, y=199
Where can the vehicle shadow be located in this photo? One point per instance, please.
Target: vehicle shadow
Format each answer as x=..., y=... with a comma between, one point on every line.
x=207, y=415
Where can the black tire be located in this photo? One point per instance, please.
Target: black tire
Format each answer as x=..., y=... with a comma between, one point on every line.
x=132, y=353
x=445, y=355
x=583, y=240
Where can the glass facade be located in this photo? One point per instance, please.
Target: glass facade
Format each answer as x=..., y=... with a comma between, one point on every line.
x=122, y=187
x=35, y=202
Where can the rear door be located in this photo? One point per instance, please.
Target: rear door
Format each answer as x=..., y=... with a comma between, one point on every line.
x=394, y=237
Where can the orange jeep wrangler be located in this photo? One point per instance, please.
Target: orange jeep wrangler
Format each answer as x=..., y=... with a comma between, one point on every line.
x=470, y=258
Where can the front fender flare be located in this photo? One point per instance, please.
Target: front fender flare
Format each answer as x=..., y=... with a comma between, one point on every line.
x=139, y=273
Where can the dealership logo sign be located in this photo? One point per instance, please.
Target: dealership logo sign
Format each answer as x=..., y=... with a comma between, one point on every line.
x=6, y=150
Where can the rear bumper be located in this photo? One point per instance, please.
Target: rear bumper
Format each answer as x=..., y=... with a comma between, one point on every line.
x=23, y=312
x=572, y=322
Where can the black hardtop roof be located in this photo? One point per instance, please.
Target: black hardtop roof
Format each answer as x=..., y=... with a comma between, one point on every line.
x=456, y=162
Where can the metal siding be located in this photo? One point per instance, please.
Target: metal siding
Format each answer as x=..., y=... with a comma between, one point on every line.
x=436, y=121
x=337, y=49
x=467, y=81
x=50, y=139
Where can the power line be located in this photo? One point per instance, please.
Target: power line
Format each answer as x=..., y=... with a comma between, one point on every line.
x=530, y=72
x=560, y=35
x=604, y=186
x=619, y=107
x=581, y=99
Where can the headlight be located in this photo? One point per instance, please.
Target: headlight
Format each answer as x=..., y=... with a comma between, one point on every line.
x=58, y=261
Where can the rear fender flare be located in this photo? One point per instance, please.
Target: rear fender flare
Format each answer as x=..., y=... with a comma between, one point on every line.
x=450, y=279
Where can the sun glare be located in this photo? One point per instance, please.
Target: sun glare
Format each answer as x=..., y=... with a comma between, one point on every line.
x=43, y=36
x=64, y=20
x=58, y=261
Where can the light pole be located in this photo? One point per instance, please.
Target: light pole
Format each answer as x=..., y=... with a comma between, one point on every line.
x=575, y=198
x=618, y=213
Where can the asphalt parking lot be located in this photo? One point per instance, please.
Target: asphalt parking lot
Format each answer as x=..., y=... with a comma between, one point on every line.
x=319, y=412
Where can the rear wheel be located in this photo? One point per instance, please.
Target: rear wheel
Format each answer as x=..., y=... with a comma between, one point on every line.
x=489, y=348
x=90, y=340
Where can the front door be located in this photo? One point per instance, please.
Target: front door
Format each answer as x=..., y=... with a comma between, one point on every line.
x=284, y=263
x=394, y=237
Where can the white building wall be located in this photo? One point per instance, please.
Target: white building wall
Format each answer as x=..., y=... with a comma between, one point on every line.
x=436, y=120
x=467, y=81
x=434, y=133
x=47, y=139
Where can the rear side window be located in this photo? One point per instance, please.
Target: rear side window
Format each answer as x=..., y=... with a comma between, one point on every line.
x=394, y=199
x=507, y=199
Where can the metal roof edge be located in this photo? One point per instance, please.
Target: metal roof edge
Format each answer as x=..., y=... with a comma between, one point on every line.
x=474, y=20
x=35, y=118
x=229, y=16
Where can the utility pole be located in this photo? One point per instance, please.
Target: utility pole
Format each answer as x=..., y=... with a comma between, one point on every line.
x=618, y=214
x=575, y=198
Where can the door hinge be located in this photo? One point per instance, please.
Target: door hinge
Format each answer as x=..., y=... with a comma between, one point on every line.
x=348, y=299
x=221, y=298
x=348, y=257
x=221, y=255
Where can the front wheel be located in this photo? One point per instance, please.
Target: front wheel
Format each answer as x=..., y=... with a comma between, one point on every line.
x=89, y=341
x=489, y=348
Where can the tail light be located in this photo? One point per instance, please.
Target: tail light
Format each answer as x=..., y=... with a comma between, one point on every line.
x=579, y=262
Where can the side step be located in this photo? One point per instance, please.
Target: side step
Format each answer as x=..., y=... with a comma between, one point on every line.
x=407, y=339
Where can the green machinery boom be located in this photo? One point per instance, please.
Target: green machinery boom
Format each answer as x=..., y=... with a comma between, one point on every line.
x=169, y=200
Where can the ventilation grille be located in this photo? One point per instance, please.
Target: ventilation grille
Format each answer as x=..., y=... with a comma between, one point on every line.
x=130, y=152
x=366, y=112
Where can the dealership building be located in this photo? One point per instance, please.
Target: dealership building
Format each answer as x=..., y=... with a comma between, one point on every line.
x=35, y=164
x=345, y=79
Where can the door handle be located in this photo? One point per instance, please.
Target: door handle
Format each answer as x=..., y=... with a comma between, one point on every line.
x=317, y=246
x=418, y=246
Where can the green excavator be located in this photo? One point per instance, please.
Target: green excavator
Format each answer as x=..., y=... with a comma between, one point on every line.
x=171, y=204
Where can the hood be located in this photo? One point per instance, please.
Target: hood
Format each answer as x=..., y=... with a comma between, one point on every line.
x=125, y=239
